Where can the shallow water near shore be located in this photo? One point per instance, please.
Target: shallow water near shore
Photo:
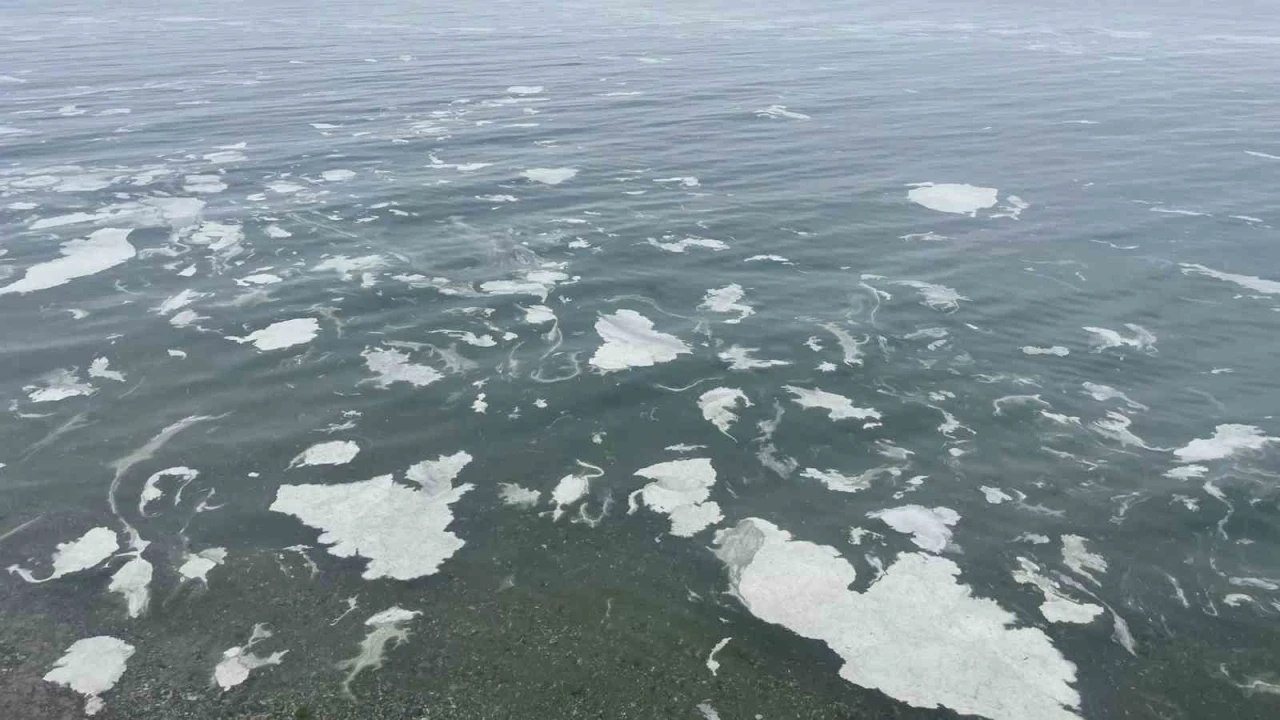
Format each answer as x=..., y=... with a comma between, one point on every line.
x=639, y=360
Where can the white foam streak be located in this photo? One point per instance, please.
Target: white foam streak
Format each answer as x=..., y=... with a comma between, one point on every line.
x=740, y=358
x=1249, y=282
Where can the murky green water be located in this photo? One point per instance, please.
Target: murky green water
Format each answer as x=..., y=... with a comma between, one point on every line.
x=457, y=362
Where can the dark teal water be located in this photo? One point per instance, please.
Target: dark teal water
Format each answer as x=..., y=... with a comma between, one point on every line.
x=379, y=173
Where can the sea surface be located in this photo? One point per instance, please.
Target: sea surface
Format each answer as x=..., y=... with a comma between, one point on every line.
x=639, y=359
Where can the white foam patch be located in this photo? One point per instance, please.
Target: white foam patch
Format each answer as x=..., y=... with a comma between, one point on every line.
x=338, y=175
x=393, y=366
x=1265, y=156
x=58, y=385
x=351, y=268
x=518, y=496
x=1116, y=426
x=102, y=250
x=91, y=667
x=259, y=279
x=684, y=180
x=1057, y=607
x=837, y=481
x=1076, y=555
x=277, y=233
x=101, y=368
x=781, y=111
x=929, y=528
x=185, y=318
x=994, y=495
x=1103, y=393
x=133, y=582
x=740, y=358
x=196, y=566
x=88, y=182
x=680, y=489
x=1187, y=472
x=173, y=303
x=550, y=176
x=1056, y=350
x=283, y=334
x=958, y=199
x=203, y=184
x=386, y=627
x=538, y=283
x=469, y=337
x=568, y=491
x=225, y=156
x=727, y=300
x=769, y=258
x=336, y=452
x=1103, y=338
x=539, y=315
x=1012, y=208
x=1248, y=282
x=838, y=406
x=938, y=297
x=83, y=553
x=151, y=490
x=719, y=407
x=525, y=90
x=437, y=476
x=222, y=239
x=712, y=664
x=680, y=246
x=400, y=530
x=238, y=662
x=630, y=341
x=901, y=635
x=1226, y=441
x=284, y=187
x=850, y=347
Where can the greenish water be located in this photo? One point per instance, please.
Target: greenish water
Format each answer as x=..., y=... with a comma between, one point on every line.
x=923, y=351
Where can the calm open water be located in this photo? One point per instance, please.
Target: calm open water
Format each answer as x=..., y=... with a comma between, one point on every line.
x=639, y=359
